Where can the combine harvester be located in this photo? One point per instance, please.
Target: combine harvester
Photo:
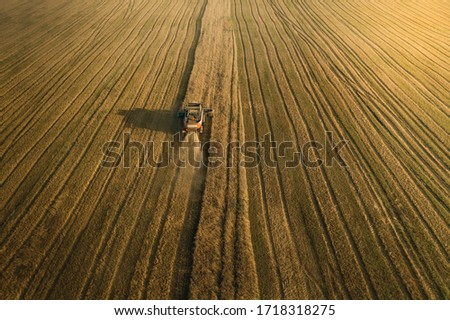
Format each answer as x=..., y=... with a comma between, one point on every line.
x=194, y=117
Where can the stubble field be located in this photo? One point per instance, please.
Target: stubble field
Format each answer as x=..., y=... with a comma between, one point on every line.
x=76, y=74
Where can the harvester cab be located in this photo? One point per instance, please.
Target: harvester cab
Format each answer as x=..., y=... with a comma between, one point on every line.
x=194, y=117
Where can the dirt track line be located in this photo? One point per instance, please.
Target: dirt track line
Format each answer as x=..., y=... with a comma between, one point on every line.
x=347, y=134
x=148, y=192
x=281, y=182
x=330, y=188
x=354, y=188
x=425, y=131
x=178, y=60
x=314, y=99
x=38, y=50
x=395, y=64
x=410, y=36
x=438, y=12
x=395, y=180
x=292, y=90
x=157, y=239
x=234, y=134
x=350, y=135
x=418, y=40
x=297, y=103
x=123, y=289
x=401, y=70
x=317, y=47
x=179, y=288
x=229, y=255
x=244, y=288
x=37, y=54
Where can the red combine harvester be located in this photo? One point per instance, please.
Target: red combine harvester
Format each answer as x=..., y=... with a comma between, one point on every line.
x=194, y=117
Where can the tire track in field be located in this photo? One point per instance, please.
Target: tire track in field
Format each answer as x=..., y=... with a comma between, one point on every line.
x=381, y=82
x=431, y=118
x=328, y=47
x=245, y=289
x=26, y=47
x=146, y=196
x=13, y=29
x=350, y=136
x=108, y=183
x=218, y=244
x=406, y=140
x=177, y=62
x=395, y=46
x=228, y=274
x=281, y=181
x=419, y=28
x=311, y=81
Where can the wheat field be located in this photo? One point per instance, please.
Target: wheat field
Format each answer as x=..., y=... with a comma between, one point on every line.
x=76, y=74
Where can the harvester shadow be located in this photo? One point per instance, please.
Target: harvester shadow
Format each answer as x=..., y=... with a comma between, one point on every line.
x=155, y=120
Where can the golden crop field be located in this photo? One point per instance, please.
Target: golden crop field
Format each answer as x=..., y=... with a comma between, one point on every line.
x=76, y=74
